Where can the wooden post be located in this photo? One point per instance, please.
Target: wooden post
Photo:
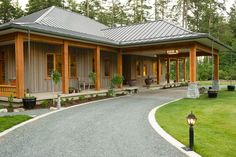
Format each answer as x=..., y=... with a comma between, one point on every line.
x=65, y=68
x=184, y=67
x=168, y=70
x=19, y=59
x=216, y=67
x=177, y=70
x=119, y=65
x=158, y=70
x=193, y=64
x=97, y=67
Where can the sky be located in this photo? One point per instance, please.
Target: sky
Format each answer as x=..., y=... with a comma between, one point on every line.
x=228, y=3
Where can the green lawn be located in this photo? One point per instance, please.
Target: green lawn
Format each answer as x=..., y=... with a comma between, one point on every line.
x=7, y=122
x=215, y=129
x=222, y=82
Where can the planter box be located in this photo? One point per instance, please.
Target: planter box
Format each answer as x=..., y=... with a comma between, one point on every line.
x=231, y=87
x=29, y=103
x=212, y=94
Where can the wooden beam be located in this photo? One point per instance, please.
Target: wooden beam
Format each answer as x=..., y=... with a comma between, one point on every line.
x=108, y=49
x=65, y=68
x=206, y=49
x=162, y=47
x=177, y=70
x=19, y=59
x=43, y=39
x=119, y=65
x=168, y=70
x=7, y=37
x=193, y=64
x=184, y=67
x=216, y=67
x=81, y=45
x=97, y=67
x=158, y=70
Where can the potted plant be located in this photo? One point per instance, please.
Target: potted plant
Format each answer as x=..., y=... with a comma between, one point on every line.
x=212, y=93
x=132, y=82
x=56, y=78
x=29, y=101
x=117, y=80
x=92, y=78
x=10, y=106
x=231, y=87
x=148, y=81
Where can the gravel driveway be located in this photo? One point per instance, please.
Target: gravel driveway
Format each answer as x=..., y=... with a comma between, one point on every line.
x=112, y=128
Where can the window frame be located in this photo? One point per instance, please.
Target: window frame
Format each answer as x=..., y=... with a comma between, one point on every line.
x=76, y=67
x=108, y=60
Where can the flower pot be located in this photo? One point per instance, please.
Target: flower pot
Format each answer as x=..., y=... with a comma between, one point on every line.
x=212, y=94
x=10, y=109
x=132, y=82
x=29, y=103
x=231, y=87
x=148, y=81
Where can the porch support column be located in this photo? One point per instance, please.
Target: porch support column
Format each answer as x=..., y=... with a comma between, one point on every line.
x=158, y=70
x=193, y=64
x=19, y=59
x=184, y=67
x=65, y=68
x=168, y=70
x=97, y=67
x=119, y=65
x=216, y=67
x=177, y=70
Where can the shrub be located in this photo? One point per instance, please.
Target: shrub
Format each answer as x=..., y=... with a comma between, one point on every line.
x=82, y=97
x=117, y=80
x=46, y=103
x=10, y=101
x=92, y=76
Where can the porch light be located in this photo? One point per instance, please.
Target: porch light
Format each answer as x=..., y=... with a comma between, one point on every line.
x=191, y=119
x=172, y=52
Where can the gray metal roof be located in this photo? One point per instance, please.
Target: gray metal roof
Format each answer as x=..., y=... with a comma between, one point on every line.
x=60, y=22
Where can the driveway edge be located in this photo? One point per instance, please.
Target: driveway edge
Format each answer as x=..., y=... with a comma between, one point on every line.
x=165, y=135
x=52, y=112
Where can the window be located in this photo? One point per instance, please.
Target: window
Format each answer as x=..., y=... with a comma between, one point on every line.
x=138, y=68
x=53, y=63
x=154, y=68
x=145, y=70
x=73, y=66
x=107, y=67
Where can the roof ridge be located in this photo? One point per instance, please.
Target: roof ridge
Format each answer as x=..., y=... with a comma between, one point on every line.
x=44, y=14
x=134, y=24
x=178, y=27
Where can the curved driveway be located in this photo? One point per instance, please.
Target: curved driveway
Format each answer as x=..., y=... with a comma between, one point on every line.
x=112, y=128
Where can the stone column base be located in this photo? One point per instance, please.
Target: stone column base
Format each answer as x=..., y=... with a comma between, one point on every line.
x=193, y=91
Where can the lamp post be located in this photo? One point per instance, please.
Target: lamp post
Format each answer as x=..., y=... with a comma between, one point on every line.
x=191, y=119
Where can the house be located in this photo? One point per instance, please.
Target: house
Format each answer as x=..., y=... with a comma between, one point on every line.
x=31, y=47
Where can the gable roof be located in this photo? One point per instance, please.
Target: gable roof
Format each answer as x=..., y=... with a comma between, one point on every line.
x=64, y=23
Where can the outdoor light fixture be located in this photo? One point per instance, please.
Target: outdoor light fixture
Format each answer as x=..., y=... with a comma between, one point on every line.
x=172, y=52
x=191, y=119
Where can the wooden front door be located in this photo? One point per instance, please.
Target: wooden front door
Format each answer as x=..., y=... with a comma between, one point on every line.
x=2, y=68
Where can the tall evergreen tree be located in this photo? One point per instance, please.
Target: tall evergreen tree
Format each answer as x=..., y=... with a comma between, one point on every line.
x=9, y=10
x=36, y=5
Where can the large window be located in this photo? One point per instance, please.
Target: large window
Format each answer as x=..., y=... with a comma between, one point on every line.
x=154, y=68
x=144, y=69
x=53, y=63
x=107, y=67
x=138, y=68
x=73, y=66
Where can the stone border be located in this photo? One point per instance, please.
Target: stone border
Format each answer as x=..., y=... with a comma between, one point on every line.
x=165, y=135
x=52, y=112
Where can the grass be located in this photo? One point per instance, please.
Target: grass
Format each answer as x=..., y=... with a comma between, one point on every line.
x=215, y=129
x=222, y=82
x=7, y=122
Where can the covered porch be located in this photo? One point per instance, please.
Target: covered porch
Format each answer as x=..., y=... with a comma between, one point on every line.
x=24, y=64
